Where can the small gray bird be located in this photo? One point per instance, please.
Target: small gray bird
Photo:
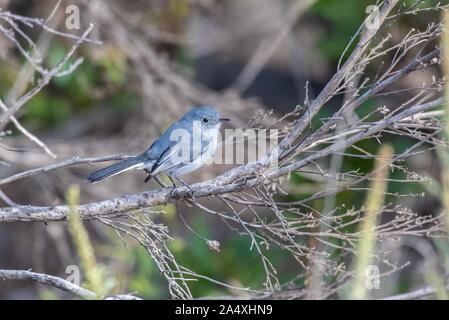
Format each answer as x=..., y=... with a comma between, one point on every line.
x=184, y=147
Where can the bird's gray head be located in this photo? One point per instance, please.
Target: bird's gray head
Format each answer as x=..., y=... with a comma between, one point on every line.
x=207, y=116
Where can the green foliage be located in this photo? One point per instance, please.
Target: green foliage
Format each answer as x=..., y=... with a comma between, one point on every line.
x=145, y=277
x=234, y=263
x=104, y=72
x=47, y=110
x=343, y=18
x=7, y=76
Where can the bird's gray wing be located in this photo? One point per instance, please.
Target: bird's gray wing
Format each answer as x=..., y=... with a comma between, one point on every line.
x=161, y=144
x=161, y=147
x=169, y=160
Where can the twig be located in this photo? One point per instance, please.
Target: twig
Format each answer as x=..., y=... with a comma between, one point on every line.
x=420, y=293
x=66, y=163
x=28, y=134
x=333, y=84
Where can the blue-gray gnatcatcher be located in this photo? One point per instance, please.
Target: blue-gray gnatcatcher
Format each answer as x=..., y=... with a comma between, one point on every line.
x=184, y=147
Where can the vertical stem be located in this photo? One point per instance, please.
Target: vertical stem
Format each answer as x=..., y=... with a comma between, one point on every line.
x=444, y=154
x=374, y=202
x=82, y=242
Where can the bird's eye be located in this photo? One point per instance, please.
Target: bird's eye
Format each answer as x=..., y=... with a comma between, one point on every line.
x=205, y=120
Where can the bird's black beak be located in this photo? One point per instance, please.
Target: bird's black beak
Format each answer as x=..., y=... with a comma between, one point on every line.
x=224, y=119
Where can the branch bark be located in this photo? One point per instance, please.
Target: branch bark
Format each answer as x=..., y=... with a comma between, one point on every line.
x=59, y=283
x=47, y=280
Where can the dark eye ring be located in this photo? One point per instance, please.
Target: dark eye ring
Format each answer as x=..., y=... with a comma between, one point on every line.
x=205, y=120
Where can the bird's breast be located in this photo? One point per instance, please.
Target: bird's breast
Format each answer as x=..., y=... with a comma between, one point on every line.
x=212, y=137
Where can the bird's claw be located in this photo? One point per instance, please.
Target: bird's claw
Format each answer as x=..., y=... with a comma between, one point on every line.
x=174, y=194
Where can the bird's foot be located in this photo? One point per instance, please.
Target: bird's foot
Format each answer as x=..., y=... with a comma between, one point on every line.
x=174, y=194
x=148, y=178
x=192, y=192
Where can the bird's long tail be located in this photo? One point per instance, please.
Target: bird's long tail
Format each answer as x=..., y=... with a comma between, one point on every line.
x=116, y=168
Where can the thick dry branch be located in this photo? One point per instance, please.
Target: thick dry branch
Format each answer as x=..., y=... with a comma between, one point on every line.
x=59, y=283
x=47, y=280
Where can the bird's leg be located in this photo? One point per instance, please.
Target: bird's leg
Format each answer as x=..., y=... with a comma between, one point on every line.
x=187, y=186
x=184, y=184
x=161, y=183
x=174, y=186
x=148, y=177
x=189, y=202
x=156, y=178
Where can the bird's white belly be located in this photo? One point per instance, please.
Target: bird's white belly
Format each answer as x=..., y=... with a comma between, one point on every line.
x=208, y=155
